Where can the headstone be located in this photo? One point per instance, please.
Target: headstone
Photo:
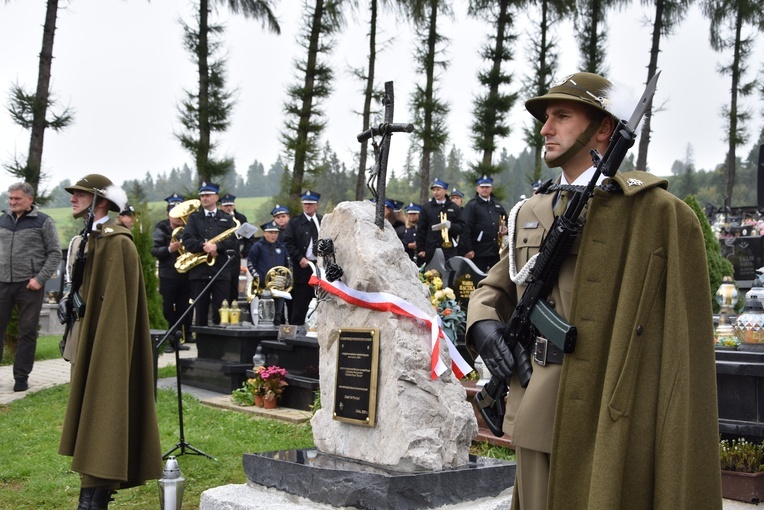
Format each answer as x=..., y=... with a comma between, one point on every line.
x=464, y=279
x=421, y=423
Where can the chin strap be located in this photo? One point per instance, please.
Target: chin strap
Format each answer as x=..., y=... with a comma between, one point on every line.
x=579, y=144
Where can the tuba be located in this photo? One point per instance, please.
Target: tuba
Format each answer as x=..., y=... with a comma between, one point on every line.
x=444, y=233
x=189, y=260
x=278, y=281
x=182, y=211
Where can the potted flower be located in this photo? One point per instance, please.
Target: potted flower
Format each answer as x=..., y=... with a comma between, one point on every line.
x=273, y=383
x=742, y=470
x=250, y=393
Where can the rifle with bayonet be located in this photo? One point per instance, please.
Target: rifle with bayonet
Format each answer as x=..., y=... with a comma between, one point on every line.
x=533, y=317
x=72, y=306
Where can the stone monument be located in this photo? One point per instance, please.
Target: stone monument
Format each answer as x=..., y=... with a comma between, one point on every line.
x=422, y=424
x=409, y=448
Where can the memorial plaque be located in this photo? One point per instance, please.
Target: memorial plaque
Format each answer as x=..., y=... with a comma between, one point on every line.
x=355, y=391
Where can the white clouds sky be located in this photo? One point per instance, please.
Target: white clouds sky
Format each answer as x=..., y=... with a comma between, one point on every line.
x=121, y=66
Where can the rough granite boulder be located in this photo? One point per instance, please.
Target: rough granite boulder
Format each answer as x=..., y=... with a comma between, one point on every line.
x=421, y=423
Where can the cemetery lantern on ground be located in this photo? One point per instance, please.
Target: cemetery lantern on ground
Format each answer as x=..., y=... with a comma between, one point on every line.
x=726, y=296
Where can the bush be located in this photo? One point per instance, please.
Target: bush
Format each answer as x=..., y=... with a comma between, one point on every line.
x=740, y=455
x=718, y=266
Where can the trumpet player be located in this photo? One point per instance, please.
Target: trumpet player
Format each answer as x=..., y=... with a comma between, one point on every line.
x=439, y=224
x=483, y=226
x=204, y=224
x=174, y=287
x=266, y=254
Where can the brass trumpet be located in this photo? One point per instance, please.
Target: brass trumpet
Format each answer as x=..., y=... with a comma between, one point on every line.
x=182, y=211
x=444, y=233
x=189, y=260
x=278, y=280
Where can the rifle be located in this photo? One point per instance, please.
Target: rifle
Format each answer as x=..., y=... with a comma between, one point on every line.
x=72, y=307
x=533, y=316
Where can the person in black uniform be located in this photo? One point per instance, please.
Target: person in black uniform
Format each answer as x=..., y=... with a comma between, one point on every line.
x=280, y=215
x=483, y=223
x=457, y=197
x=228, y=205
x=204, y=225
x=174, y=287
x=429, y=233
x=409, y=233
x=300, y=238
x=394, y=215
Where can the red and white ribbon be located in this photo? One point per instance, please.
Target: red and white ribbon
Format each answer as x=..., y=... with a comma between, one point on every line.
x=385, y=302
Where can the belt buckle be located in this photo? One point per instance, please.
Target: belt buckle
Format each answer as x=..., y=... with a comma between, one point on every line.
x=539, y=352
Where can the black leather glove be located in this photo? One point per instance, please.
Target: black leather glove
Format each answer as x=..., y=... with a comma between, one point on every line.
x=487, y=337
x=63, y=316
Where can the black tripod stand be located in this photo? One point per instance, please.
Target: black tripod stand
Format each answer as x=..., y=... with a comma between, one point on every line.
x=174, y=334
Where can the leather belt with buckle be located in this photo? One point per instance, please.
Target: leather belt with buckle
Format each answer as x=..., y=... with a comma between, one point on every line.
x=546, y=352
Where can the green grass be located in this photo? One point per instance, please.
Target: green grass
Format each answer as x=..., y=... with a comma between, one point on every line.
x=47, y=348
x=34, y=476
x=492, y=451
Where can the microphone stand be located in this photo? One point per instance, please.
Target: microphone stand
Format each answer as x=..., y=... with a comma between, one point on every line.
x=173, y=333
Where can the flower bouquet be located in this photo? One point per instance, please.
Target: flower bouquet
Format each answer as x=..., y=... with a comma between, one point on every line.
x=273, y=382
x=452, y=316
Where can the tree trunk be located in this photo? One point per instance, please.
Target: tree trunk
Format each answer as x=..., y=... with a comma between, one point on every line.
x=644, y=138
x=303, y=127
x=493, y=91
x=543, y=71
x=203, y=153
x=360, y=185
x=34, y=158
x=427, y=143
x=733, y=137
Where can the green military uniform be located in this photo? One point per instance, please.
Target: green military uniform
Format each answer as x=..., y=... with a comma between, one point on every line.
x=111, y=427
x=628, y=420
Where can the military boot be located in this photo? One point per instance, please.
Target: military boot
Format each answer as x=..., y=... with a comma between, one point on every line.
x=95, y=498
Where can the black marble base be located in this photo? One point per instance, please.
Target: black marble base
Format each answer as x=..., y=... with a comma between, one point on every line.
x=224, y=356
x=299, y=356
x=213, y=375
x=345, y=482
x=740, y=389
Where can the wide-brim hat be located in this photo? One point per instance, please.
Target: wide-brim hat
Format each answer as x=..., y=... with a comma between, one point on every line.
x=586, y=88
x=102, y=187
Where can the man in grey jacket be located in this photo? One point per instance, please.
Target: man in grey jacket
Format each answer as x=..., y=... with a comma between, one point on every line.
x=29, y=255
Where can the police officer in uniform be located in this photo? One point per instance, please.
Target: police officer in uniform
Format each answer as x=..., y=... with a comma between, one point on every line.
x=228, y=205
x=457, y=197
x=302, y=233
x=204, y=225
x=174, y=287
x=482, y=225
x=427, y=239
x=280, y=215
x=409, y=234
